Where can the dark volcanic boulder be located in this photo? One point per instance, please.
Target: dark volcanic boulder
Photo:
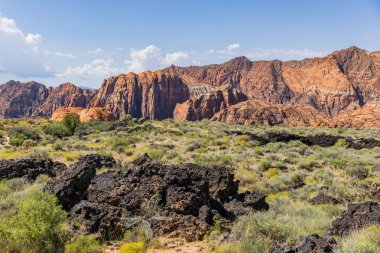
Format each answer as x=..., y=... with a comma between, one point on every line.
x=322, y=199
x=29, y=168
x=184, y=200
x=355, y=217
x=309, y=244
x=72, y=183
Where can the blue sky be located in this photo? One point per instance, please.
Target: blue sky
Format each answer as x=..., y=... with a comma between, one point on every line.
x=88, y=40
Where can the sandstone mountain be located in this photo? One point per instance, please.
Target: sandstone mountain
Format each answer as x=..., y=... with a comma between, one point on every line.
x=65, y=95
x=34, y=99
x=21, y=99
x=322, y=91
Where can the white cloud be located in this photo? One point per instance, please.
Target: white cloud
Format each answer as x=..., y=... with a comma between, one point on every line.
x=60, y=54
x=225, y=53
x=99, y=67
x=19, y=51
x=96, y=51
x=270, y=54
x=233, y=46
x=151, y=58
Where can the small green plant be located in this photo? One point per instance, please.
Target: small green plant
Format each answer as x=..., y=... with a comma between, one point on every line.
x=134, y=247
x=83, y=244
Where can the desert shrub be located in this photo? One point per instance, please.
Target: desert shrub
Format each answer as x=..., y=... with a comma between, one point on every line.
x=363, y=241
x=246, y=246
x=121, y=143
x=83, y=244
x=358, y=170
x=57, y=129
x=29, y=143
x=308, y=163
x=71, y=121
x=17, y=135
x=37, y=225
x=285, y=222
x=156, y=153
x=71, y=156
x=193, y=146
x=134, y=247
x=95, y=125
x=265, y=164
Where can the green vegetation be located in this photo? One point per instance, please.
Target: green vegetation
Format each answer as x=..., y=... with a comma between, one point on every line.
x=363, y=241
x=18, y=135
x=290, y=174
x=71, y=121
x=37, y=225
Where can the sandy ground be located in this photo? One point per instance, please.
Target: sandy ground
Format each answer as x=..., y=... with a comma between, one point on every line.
x=170, y=246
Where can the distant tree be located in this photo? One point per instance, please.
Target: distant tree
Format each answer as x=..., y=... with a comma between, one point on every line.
x=71, y=121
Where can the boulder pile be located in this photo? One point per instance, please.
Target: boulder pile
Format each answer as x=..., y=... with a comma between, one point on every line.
x=179, y=201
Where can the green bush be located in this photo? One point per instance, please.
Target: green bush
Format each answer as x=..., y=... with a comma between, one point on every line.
x=95, y=125
x=37, y=225
x=363, y=241
x=17, y=135
x=285, y=222
x=83, y=244
x=29, y=143
x=265, y=164
x=57, y=129
x=135, y=247
x=71, y=121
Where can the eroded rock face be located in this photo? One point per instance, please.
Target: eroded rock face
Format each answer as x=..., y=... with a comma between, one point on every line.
x=64, y=96
x=149, y=94
x=309, y=244
x=28, y=168
x=355, y=217
x=181, y=201
x=21, y=99
x=366, y=117
x=255, y=112
x=84, y=114
x=206, y=105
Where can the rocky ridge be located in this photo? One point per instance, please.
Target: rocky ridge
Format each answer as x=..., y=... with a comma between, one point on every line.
x=315, y=92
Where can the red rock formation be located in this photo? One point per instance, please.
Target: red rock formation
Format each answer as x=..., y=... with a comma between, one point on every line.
x=148, y=94
x=319, y=89
x=254, y=112
x=84, y=113
x=366, y=117
x=65, y=95
x=206, y=105
x=21, y=99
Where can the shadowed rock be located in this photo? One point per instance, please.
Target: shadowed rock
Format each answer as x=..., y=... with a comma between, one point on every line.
x=181, y=201
x=72, y=183
x=29, y=168
x=355, y=217
x=322, y=199
x=309, y=244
